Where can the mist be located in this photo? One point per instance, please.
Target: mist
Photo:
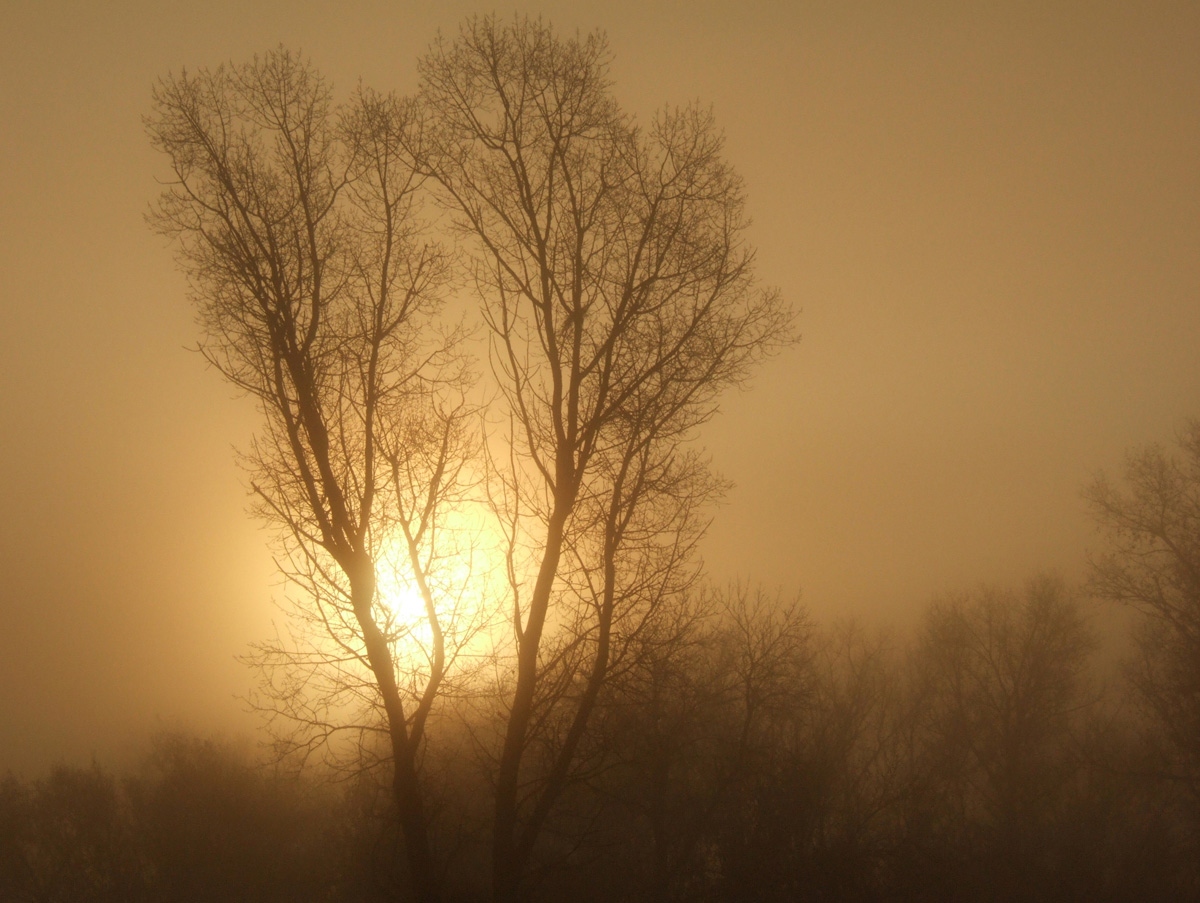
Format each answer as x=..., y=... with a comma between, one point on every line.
x=985, y=221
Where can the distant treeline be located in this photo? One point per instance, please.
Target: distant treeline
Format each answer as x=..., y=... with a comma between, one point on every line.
x=764, y=758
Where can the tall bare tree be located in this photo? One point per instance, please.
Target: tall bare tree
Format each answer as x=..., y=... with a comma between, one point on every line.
x=1152, y=523
x=297, y=223
x=621, y=300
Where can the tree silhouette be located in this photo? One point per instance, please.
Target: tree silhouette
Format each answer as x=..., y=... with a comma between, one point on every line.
x=620, y=298
x=297, y=224
x=999, y=688
x=1152, y=523
x=67, y=837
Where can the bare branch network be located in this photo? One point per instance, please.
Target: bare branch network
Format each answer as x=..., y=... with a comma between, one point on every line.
x=546, y=558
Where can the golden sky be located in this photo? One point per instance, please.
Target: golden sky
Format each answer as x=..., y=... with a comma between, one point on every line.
x=989, y=215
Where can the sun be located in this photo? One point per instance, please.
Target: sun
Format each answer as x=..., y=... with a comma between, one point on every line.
x=462, y=580
x=400, y=596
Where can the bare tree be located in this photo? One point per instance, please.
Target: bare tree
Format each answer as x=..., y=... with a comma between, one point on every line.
x=297, y=223
x=621, y=300
x=1000, y=686
x=715, y=714
x=1152, y=524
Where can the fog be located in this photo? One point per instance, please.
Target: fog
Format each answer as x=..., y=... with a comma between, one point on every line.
x=986, y=216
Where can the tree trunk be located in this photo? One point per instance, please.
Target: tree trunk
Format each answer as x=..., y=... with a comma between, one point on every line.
x=508, y=860
x=406, y=790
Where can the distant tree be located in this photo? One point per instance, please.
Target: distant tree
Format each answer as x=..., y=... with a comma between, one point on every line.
x=68, y=837
x=297, y=224
x=694, y=727
x=1152, y=523
x=711, y=827
x=999, y=687
x=620, y=297
x=820, y=793
x=214, y=824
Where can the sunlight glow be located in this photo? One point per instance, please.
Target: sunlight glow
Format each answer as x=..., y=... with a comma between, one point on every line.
x=465, y=582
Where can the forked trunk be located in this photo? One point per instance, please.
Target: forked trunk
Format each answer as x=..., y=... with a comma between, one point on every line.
x=406, y=789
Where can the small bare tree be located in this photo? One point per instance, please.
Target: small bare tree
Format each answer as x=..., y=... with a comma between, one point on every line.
x=1152, y=564
x=708, y=717
x=1000, y=686
x=621, y=300
x=297, y=223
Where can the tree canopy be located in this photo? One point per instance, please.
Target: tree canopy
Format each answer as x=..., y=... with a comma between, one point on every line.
x=617, y=291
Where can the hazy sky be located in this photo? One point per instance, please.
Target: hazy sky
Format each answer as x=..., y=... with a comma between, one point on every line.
x=988, y=213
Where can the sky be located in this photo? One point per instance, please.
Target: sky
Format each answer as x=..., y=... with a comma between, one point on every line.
x=988, y=216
